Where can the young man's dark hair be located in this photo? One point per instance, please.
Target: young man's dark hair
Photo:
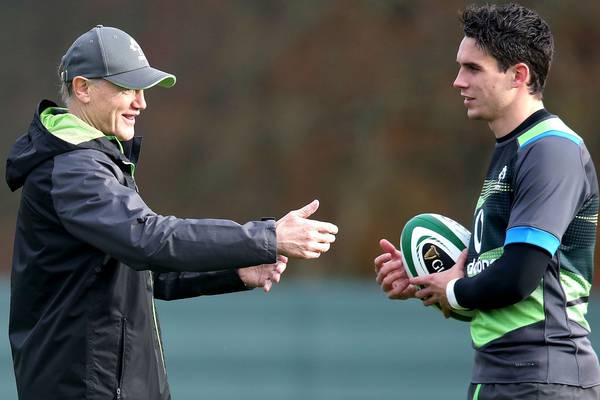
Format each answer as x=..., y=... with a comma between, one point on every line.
x=528, y=270
x=511, y=34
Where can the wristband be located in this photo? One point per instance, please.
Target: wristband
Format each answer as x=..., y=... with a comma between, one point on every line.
x=452, y=297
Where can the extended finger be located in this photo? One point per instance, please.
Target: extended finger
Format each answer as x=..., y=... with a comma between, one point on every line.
x=324, y=227
x=323, y=237
x=282, y=258
x=421, y=280
x=280, y=267
x=396, y=286
x=307, y=254
x=423, y=293
x=430, y=301
x=386, y=283
x=399, y=293
x=382, y=267
x=380, y=260
x=275, y=277
x=390, y=266
x=267, y=286
x=319, y=247
x=387, y=270
x=389, y=248
x=446, y=310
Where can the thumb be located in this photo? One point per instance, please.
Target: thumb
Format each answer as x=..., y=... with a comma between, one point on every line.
x=308, y=209
x=462, y=258
x=388, y=247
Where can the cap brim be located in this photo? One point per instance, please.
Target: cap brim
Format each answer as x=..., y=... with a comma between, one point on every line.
x=143, y=78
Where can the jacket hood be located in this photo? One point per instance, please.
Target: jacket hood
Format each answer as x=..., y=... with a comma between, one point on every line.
x=40, y=144
x=32, y=148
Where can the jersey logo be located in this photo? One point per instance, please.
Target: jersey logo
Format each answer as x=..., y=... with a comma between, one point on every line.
x=483, y=261
x=478, y=234
x=501, y=176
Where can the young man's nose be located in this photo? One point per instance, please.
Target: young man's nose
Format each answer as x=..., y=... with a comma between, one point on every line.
x=459, y=81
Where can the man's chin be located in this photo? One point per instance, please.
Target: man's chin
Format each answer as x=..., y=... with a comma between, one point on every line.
x=474, y=115
x=125, y=136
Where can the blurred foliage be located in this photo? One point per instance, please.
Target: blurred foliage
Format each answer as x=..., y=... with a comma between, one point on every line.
x=279, y=102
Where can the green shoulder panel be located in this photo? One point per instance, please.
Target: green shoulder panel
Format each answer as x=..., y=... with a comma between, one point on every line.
x=549, y=127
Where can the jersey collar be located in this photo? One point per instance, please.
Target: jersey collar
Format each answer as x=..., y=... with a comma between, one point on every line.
x=533, y=119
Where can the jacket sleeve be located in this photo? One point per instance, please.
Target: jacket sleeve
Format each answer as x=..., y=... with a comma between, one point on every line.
x=181, y=285
x=96, y=208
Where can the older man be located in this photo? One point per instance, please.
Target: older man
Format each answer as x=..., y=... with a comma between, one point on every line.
x=90, y=256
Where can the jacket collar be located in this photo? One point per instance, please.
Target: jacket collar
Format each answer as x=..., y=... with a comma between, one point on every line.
x=38, y=145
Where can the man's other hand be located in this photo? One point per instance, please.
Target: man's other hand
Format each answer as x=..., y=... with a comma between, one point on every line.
x=263, y=275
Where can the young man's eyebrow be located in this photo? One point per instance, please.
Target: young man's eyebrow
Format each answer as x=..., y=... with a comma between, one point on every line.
x=469, y=64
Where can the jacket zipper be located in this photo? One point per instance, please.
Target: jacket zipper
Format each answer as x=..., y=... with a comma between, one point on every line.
x=122, y=369
x=162, y=357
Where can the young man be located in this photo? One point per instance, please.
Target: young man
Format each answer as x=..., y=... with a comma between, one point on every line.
x=90, y=256
x=530, y=260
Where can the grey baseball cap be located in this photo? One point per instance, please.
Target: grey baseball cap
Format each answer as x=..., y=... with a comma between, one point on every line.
x=111, y=54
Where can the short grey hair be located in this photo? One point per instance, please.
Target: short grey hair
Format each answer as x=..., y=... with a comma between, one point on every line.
x=66, y=88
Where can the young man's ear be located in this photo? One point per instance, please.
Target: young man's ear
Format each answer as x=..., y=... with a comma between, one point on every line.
x=81, y=89
x=521, y=75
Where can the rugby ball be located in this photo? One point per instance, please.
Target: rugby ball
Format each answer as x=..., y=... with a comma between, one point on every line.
x=431, y=243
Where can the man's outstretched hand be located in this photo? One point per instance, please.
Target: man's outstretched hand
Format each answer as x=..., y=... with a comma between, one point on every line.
x=300, y=237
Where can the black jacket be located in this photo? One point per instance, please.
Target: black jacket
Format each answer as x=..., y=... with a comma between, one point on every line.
x=90, y=257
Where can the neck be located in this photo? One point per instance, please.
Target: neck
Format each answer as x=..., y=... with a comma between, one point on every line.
x=77, y=110
x=514, y=115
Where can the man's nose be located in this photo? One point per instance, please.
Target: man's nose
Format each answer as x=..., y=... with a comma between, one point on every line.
x=459, y=81
x=140, y=100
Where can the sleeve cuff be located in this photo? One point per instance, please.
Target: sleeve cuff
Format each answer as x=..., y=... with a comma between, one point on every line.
x=271, y=239
x=452, y=297
x=533, y=236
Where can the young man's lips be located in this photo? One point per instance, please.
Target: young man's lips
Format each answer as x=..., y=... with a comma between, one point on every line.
x=468, y=100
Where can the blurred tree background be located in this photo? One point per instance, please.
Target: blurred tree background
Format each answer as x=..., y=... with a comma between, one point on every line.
x=280, y=102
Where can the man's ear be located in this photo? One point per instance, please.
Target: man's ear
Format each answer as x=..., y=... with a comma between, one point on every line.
x=521, y=75
x=81, y=89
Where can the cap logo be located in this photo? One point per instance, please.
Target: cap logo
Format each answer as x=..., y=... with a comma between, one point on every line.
x=136, y=47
